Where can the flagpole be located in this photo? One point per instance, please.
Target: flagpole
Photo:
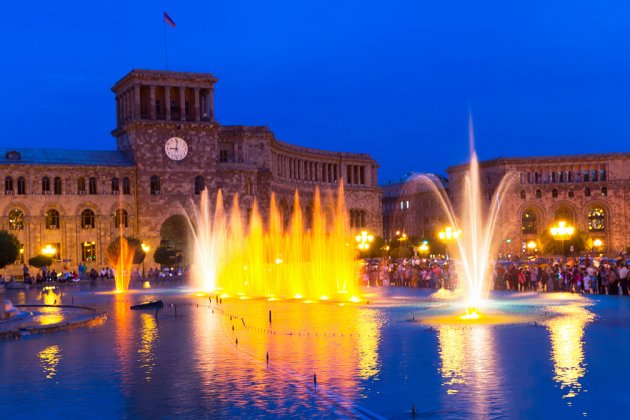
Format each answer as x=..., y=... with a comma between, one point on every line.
x=165, y=47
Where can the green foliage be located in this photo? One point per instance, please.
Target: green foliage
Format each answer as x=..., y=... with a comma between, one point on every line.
x=40, y=261
x=9, y=248
x=134, y=244
x=166, y=256
x=547, y=244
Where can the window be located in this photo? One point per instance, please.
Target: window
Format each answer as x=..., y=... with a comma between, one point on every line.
x=126, y=186
x=52, y=219
x=21, y=185
x=57, y=185
x=45, y=185
x=121, y=218
x=571, y=193
x=248, y=186
x=523, y=194
x=528, y=222
x=357, y=218
x=8, y=185
x=199, y=184
x=81, y=185
x=538, y=194
x=587, y=192
x=602, y=174
x=569, y=176
x=88, y=251
x=594, y=175
x=87, y=219
x=115, y=186
x=604, y=191
x=563, y=214
x=554, y=193
x=223, y=156
x=596, y=220
x=16, y=219
x=156, y=188
x=92, y=185
x=585, y=176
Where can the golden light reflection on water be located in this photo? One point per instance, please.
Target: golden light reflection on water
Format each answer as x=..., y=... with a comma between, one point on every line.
x=49, y=359
x=49, y=316
x=368, y=338
x=146, y=350
x=470, y=365
x=567, y=350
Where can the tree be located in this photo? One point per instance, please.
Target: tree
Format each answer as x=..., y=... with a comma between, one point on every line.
x=133, y=244
x=550, y=245
x=166, y=256
x=40, y=261
x=376, y=249
x=9, y=248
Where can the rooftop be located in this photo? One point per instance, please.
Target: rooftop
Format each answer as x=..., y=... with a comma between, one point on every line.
x=20, y=156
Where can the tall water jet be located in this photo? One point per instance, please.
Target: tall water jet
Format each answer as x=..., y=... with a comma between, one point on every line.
x=310, y=258
x=120, y=255
x=475, y=247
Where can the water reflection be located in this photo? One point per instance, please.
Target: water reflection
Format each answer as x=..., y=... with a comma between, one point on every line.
x=49, y=359
x=49, y=316
x=146, y=350
x=566, y=332
x=470, y=367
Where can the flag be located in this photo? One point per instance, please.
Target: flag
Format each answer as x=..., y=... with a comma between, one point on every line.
x=168, y=20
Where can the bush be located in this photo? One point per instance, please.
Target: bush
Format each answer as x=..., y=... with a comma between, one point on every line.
x=166, y=256
x=40, y=261
x=134, y=244
x=9, y=248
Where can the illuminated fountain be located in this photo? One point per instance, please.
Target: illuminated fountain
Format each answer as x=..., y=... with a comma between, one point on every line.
x=475, y=247
x=120, y=255
x=302, y=260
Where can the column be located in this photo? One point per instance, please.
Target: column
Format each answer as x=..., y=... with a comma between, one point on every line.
x=182, y=103
x=197, y=110
x=167, y=102
x=211, y=104
x=152, y=113
x=136, y=99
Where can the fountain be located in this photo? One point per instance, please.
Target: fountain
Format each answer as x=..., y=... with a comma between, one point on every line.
x=476, y=246
x=310, y=258
x=120, y=255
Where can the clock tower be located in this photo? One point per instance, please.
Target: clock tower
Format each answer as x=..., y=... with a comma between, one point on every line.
x=165, y=124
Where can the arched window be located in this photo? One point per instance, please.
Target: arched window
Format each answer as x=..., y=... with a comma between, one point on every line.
x=587, y=192
x=596, y=219
x=92, y=185
x=87, y=219
x=199, y=184
x=45, y=185
x=604, y=191
x=16, y=219
x=57, y=185
x=115, y=186
x=126, y=186
x=81, y=185
x=21, y=185
x=563, y=214
x=156, y=188
x=528, y=222
x=52, y=219
x=8, y=185
x=554, y=193
x=121, y=218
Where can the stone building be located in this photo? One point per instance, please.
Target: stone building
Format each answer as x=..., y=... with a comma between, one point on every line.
x=169, y=148
x=590, y=192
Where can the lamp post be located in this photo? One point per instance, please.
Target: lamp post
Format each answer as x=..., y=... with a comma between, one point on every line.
x=597, y=244
x=364, y=240
x=145, y=248
x=49, y=250
x=449, y=233
x=562, y=232
x=532, y=247
x=424, y=248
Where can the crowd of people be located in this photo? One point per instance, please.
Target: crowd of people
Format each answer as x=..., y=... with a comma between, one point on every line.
x=584, y=275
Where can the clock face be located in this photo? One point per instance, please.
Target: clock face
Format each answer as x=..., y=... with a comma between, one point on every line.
x=176, y=148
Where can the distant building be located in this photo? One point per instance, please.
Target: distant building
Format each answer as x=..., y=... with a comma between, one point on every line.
x=411, y=207
x=591, y=192
x=169, y=148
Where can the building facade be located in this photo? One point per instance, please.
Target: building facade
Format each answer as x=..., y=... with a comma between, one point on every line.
x=589, y=192
x=169, y=148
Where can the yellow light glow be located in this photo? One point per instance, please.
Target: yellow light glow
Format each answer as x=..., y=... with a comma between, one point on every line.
x=449, y=233
x=146, y=285
x=146, y=248
x=324, y=297
x=531, y=245
x=471, y=314
x=355, y=299
x=598, y=243
x=562, y=231
x=298, y=296
x=49, y=250
x=423, y=248
x=49, y=359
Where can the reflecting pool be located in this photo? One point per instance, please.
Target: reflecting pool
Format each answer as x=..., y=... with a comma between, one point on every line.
x=564, y=357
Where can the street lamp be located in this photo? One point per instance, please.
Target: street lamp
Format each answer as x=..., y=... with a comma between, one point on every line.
x=424, y=247
x=449, y=233
x=145, y=248
x=532, y=246
x=562, y=232
x=364, y=240
x=597, y=244
x=49, y=250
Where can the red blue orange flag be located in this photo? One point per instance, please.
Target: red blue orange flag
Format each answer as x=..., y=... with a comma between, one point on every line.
x=168, y=20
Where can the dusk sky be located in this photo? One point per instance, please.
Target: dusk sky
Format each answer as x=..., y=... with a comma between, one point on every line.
x=395, y=79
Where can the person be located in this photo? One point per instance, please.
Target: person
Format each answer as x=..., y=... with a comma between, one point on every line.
x=623, y=277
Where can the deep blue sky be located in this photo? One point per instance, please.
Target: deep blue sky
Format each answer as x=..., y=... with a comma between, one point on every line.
x=392, y=78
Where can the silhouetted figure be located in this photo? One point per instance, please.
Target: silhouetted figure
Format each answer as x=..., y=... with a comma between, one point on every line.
x=315, y=380
x=267, y=358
